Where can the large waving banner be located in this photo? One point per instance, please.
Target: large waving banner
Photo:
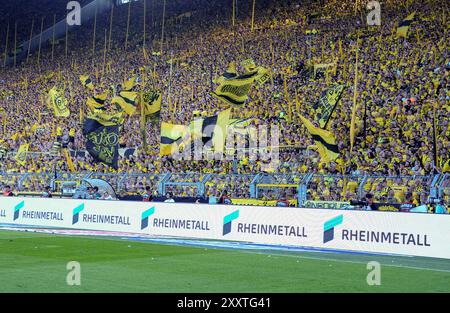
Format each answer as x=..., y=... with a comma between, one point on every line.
x=327, y=103
x=102, y=142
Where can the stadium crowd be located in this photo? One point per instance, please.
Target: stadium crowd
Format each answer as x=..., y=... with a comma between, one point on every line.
x=401, y=83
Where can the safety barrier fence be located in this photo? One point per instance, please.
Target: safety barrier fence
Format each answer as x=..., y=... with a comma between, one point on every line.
x=308, y=189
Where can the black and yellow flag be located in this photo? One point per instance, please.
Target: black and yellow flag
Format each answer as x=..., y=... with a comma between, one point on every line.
x=173, y=137
x=97, y=102
x=151, y=100
x=56, y=148
x=321, y=68
x=129, y=84
x=249, y=65
x=214, y=130
x=69, y=161
x=3, y=152
x=230, y=73
x=402, y=30
x=94, y=105
x=446, y=167
x=324, y=140
x=21, y=156
x=195, y=128
x=324, y=108
x=242, y=126
x=102, y=142
x=101, y=98
x=235, y=90
x=59, y=103
x=107, y=119
x=87, y=82
x=263, y=74
x=127, y=101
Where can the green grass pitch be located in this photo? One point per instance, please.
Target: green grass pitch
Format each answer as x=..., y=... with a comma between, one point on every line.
x=34, y=262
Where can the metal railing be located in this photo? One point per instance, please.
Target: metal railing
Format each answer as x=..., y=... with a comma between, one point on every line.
x=303, y=187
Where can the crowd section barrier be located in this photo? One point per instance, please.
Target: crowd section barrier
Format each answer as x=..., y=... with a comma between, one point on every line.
x=374, y=232
x=302, y=190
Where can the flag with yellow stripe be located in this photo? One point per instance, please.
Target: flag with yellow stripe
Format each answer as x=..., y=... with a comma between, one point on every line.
x=127, y=101
x=107, y=119
x=235, y=90
x=172, y=138
x=214, y=130
x=129, y=84
x=21, y=156
x=87, y=82
x=402, y=30
x=59, y=103
x=324, y=140
x=69, y=160
x=324, y=108
x=151, y=100
x=97, y=102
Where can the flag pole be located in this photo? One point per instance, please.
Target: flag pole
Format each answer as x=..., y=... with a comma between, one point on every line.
x=40, y=42
x=104, y=52
x=15, y=43
x=162, y=29
x=170, y=80
x=4, y=123
x=435, y=148
x=93, y=38
x=6, y=45
x=234, y=12
x=110, y=27
x=67, y=39
x=53, y=36
x=145, y=12
x=365, y=123
x=355, y=95
x=128, y=25
x=153, y=17
x=253, y=14
x=29, y=42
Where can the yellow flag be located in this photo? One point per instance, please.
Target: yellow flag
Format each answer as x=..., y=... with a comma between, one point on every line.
x=152, y=102
x=107, y=119
x=87, y=82
x=214, y=130
x=264, y=75
x=323, y=67
x=172, y=137
x=97, y=102
x=59, y=102
x=235, y=90
x=446, y=167
x=324, y=140
x=21, y=156
x=129, y=84
x=127, y=101
x=403, y=28
x=34, y=128
x=249, y=65
x=69, y=160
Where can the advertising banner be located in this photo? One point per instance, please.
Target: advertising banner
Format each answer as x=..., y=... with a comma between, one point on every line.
x=415, y=234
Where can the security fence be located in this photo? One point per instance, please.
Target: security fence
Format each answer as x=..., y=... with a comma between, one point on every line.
x=308, y=189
